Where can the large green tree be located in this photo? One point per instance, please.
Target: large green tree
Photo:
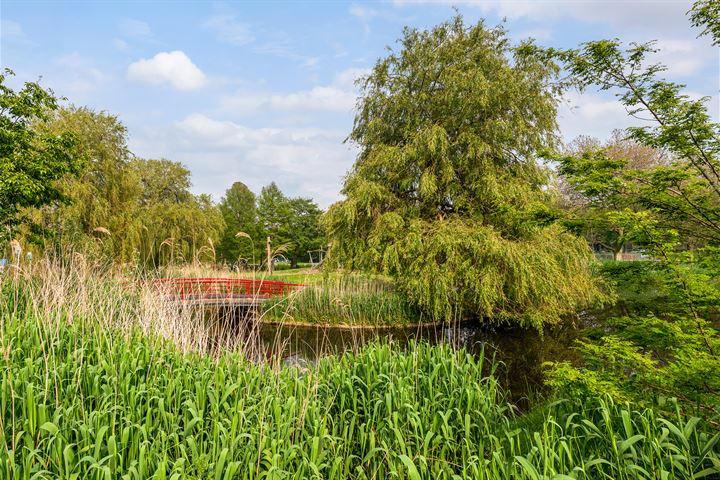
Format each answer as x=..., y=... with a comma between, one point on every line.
x=293, y=223
x=242, y=238
x=446, y=194
x=32, y=159
x=132, y=209
x=104, y=197
x=175, y=225
x=674, y=208
x=304, y=231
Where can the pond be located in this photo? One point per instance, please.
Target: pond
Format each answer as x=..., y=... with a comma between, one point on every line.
x=520, y=352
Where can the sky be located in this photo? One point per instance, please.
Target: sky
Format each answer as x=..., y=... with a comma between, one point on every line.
x=264, y=91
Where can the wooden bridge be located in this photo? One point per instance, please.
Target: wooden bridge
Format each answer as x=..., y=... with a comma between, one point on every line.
x=230, y=292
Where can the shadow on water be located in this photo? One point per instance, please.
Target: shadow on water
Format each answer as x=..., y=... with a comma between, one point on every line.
x=521, y=353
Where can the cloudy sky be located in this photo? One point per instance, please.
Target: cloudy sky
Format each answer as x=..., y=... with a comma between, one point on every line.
x=261, y=91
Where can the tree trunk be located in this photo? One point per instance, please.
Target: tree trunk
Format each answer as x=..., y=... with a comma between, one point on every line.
x=268, y=250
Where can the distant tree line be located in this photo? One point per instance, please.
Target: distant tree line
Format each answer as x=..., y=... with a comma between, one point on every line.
x=68, y=178
x=291, y=223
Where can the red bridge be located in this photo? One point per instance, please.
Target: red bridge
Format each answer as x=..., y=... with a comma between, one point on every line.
x=223, y=291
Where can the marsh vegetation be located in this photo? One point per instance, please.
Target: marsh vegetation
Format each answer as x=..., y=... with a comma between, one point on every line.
x=460, y=324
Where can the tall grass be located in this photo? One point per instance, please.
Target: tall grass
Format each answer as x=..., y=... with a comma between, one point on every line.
x=345, y=299
x=84, y=403
x=113, y=389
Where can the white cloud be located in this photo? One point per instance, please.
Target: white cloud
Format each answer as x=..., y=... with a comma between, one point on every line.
x=230, y=30
x=592, y=114
x=328, y=98
x=347, y=78
x=638, y=14
x=309, y=162
x=167, y=68
x=361, y=12
x=133, y=28
x=683, y=57
x=339, y=97
x=364, y=14
x=598, y=114
x=10, y=29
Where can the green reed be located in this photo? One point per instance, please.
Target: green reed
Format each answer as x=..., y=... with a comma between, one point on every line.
x=79, y=401
x=345, y=299
x=99, y=382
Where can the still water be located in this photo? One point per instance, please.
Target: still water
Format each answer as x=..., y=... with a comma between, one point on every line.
x=520, y=353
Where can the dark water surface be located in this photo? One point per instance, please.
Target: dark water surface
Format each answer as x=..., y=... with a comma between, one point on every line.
x=521, y=352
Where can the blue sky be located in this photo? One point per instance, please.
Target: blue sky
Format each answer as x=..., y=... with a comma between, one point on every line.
x=262, y=91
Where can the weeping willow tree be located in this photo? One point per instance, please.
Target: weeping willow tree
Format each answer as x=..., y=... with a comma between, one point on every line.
x=447, y=195
x=131, y=209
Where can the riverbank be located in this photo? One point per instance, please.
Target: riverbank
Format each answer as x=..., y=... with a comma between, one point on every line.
x=79, y=399
x=346, y=300
x=103, y=381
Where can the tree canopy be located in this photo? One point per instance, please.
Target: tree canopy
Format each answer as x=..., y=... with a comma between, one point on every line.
x=132, y=209
x=446, y=194
x=242, y=238
x=673, y=209
x=684, y=193
x=32, y=159
x=290, y=222
x=592, y=192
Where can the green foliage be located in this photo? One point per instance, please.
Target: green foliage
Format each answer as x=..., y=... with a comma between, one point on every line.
x=671, y=348
x=666, y=344
x=345, y=299
x=706, y=15
x=591, y=181
x=130, y=209
x=686, y=192
x=446, y=195
x=78, y=401
x=31, y=159
x=647, y=360
x=290, y=222
x=241, y=238
x=641, y=288
x=304, y=229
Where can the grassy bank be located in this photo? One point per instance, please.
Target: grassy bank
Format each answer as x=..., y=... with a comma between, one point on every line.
x=344, y=299
x=329, y=298
x=89, y=391
x=78, y=402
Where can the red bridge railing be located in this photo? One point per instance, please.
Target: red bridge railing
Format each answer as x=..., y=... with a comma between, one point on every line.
x=217, y=288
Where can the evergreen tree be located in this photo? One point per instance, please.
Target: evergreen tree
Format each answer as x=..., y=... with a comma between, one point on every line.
x=293, y=223
x=304, y=232
x=240, y=214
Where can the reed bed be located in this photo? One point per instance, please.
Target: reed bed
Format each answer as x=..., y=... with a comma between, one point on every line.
x=115, y=389
x=80, y=403
x=345, y=299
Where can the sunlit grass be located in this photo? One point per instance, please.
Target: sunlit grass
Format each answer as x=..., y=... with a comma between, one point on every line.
x=116, y=388
x=345, y=299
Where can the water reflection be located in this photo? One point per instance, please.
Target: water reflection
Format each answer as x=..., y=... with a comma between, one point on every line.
x=521, y=352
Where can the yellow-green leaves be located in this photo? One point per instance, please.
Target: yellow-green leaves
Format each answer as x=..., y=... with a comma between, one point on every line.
x=445, y=193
